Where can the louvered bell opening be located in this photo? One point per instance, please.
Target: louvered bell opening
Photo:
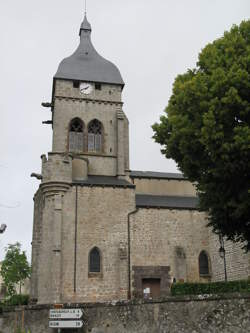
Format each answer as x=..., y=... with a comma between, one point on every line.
x=76, y=137
x=95, y=136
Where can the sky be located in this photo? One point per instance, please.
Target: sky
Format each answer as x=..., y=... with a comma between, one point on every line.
x=151, y=42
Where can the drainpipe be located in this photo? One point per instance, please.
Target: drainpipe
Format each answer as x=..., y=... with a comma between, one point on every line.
x=129, y=253
x=75, y=250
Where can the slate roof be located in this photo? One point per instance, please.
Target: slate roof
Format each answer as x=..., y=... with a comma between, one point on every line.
x=157, y=175
x=163, y=201
x=85, y=64
x=106, y=181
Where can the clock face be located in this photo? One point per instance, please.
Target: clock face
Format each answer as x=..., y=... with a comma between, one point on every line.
x=86, y=88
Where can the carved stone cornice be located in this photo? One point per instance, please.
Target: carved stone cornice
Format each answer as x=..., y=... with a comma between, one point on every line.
x=52, y=188
x=89, y=100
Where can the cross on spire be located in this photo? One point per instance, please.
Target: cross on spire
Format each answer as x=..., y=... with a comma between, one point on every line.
x=85, y=9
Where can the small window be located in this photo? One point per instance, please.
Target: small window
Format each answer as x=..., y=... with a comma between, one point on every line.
x=98, y=86
x=94, y=261
x=95, y=136
x=76, y=84
x=203, y=263
x=76, y=135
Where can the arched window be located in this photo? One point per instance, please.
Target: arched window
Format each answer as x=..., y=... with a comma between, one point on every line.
x=95, y=136
x=76, y=135
x=94, y=261
x=203, y=263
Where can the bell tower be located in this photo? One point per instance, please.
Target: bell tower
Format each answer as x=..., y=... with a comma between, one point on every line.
x=88, y=121
x=82, y=204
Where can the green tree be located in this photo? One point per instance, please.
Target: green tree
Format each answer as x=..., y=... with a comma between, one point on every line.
x=15, y=268
x=206, y=130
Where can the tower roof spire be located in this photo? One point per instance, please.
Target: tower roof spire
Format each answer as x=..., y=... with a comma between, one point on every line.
x=86, y=26
x=85, y=64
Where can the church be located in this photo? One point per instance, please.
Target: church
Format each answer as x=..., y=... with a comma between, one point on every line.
x=101, y=231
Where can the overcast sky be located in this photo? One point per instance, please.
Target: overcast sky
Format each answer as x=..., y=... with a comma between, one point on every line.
x=150, y=41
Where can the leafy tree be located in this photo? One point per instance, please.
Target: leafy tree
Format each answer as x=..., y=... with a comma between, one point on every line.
x=206, y=130
x=15, y=268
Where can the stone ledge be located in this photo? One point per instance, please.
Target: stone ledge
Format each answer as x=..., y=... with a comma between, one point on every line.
x=135, y=302
x=88, y=100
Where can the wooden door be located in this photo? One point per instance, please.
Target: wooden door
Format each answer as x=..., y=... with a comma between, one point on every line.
x=151, y=288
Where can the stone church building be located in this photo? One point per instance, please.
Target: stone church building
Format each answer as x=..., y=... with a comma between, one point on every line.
x=101, y=231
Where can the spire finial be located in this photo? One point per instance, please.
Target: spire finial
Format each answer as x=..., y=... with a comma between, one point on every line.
x=85, y=24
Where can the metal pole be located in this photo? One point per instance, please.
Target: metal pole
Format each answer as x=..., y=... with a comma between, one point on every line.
x=129, y=253
x=223, y=251
x=75, y=250
x=225, y=266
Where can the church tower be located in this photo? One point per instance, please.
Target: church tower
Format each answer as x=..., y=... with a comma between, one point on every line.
x=88, y=120
x=79, y=247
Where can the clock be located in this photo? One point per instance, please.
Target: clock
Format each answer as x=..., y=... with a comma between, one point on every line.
x=86, y=88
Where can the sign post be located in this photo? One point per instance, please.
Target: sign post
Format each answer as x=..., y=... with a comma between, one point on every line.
x=65, y=318
x=65, y=324
x=65, y=314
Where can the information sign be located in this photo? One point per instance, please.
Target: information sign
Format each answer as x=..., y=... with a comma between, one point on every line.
x=65, y=324
x=65, y=313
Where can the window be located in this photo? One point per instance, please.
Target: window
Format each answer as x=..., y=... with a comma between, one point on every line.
x=76, y=84
x=94, y=261
x=76, y=135
x=98, y=86
x=203, y=263
x=95, y=136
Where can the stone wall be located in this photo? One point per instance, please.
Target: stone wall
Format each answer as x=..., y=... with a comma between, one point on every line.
x=158, y=238
x=99, y=227
x=169, y=237
x=237, y=261
x=60, y=261
x=36, y=241
x=164, y=186
x=222, y=314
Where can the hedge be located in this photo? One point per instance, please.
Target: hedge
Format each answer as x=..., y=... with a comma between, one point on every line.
x=210, y=288
x=15, y=300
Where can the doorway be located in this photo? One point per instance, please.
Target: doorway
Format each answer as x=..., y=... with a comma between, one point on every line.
x=151, y=288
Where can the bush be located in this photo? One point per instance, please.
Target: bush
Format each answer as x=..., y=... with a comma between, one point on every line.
x=210, y=288
x=17, y=300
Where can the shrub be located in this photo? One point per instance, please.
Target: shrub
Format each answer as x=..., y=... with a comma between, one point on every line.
x=17, y=300
x=210, y=288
